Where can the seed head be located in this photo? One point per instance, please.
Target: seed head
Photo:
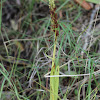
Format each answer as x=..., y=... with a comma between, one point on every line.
x=51, y=4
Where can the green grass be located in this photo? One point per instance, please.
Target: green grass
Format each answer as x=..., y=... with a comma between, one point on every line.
x=30, y=50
